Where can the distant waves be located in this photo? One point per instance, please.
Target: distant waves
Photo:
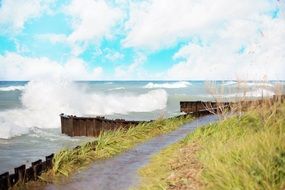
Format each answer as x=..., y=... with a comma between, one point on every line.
x=180, y=84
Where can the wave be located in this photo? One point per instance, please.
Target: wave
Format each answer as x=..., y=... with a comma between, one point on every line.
x=43, y=101
x=229, y=83
x=249, y=84
x=258, y=93
x=260, y=84
x=12, y=88
x=180, y=84
x=117, y=88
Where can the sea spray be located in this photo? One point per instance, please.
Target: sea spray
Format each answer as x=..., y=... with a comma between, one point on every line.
x=44, y=100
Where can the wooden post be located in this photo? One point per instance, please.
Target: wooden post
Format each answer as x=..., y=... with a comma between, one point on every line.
x=13, y=179
x=20, y=173
x=89, y=127
x=97, y=126
x=63, y=125
x=67, y=124
x=29, y=174
x=37, y=166
x=76, y=127
x=49, y=161
x=71, y=126
x=82, y=129
x=4, y=181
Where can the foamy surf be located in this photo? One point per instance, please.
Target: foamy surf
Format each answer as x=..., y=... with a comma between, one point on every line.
x=258, y=93
x=249, y=84
x=180, y=84
x=43, y=101
x=117, y=88
x=12, y=88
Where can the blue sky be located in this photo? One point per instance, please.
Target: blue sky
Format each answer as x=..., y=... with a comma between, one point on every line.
x=142, y=40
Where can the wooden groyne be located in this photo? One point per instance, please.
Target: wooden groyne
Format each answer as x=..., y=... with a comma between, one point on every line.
x=22, y=174
x=91, y=126
x=194, y=107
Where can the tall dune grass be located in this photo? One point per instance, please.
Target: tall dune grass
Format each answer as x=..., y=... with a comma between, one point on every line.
x=245, y=152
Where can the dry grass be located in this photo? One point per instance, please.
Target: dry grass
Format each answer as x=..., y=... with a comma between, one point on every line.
x=242, y=152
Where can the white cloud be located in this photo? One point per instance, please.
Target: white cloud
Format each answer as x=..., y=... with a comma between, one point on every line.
x=263, y=53
x=15, y=13
x=228, y=39
x=91, y=19
x=53, y=38
x=132, y=71
x=157, y=24
x=16, y=67
x=112, y=55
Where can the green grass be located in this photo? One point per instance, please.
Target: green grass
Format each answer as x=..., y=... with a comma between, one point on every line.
x=245, y=152
x=108, y=144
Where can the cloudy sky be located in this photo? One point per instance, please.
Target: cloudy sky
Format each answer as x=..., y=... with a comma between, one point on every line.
x=142, y=40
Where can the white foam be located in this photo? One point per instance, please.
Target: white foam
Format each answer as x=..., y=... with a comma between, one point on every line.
x=229, y=83
x=249, y=84
x=180, y=84
x=43, y=101
x=12, y=88
x=117, y=88
x=260, y=84
x=258, y=93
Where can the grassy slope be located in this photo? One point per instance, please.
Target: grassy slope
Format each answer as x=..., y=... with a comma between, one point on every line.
x=107, y=145
x=246, y=152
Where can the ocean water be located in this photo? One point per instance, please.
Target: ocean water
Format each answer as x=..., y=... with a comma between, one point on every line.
x=29, y=111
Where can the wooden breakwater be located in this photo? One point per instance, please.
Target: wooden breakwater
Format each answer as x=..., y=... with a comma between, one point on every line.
x=194, y=107
x=22, y=174
x=91, y=126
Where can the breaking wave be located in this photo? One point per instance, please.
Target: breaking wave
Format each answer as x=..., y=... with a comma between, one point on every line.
x=258, y=93
x=117, y=88
x=249, y=84
x=180, y=84
x=12, y=88
x=43, y=101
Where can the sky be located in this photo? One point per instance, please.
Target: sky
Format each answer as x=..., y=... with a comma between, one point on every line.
x=142, y=39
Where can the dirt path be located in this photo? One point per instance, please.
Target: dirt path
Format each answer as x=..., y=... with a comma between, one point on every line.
x=120, y=172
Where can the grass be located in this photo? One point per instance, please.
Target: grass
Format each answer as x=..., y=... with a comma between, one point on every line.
x=108, y=144
x=241, y=152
